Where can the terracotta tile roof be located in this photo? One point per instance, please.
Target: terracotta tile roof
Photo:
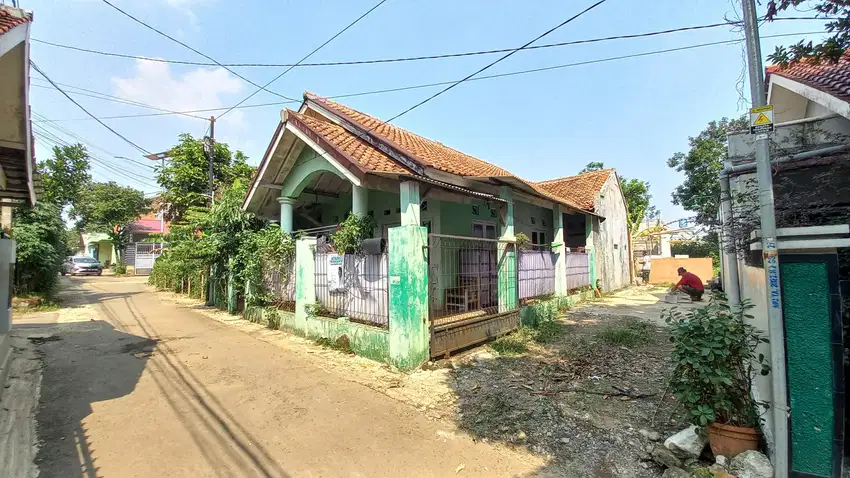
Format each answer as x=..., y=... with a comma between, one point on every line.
x=831, y=78
x=581, y=189
x=362, y=154
x=11, y=17
x=423, y=150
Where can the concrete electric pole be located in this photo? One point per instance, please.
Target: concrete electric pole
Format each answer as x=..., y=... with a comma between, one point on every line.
x=776, y=327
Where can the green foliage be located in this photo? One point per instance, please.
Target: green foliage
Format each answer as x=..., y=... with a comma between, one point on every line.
x=267, y=247
x=352, y=231
x=73, y=241
x=185, y=176
x=120, y=269
x=637, y=197
x=714, y=359
x=634, y=333
x=523, y=243
x=340, y=344
x=65, y=176
x=828, y=50
x=40, y=248
x=592, y=166
x=515, y=343
x=701, y=165
x=110, y=208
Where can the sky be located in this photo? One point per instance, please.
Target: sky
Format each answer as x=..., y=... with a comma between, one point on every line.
x=631, y=114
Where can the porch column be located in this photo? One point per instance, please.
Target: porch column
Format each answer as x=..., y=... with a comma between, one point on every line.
x=559, y=249
x=286, y=213
x=591, y=251
x=359, y=200
x=408, y=295
x=305, y=281
x=507, y=253
x=409, y=196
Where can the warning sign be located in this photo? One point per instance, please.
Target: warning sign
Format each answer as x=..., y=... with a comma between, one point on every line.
x=761, y=120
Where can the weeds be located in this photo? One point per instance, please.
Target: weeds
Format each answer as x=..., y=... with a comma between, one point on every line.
x=515, y=343
x=341, y=344
x=630, y=334
x=273, y=320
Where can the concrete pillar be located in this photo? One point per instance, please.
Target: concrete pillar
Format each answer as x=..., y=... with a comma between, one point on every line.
x=409, y=326
x=359, y=200
x=559, y=250
x=7, y=258
x=305, y=280
x=286, y=213
x=507, y=287
x=231, y=289
x=588, y=246
x=409, y=198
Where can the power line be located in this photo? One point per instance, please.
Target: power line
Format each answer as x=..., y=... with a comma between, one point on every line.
x=547, y=32
x=85, y=110
x=140, y=22
x=479, y=78
x=116, y=99
x=90, y=143
x=54, y=140
x=410, y=58
x=361, y=17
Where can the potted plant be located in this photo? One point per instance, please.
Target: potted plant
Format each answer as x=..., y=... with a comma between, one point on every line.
x=715, y=362
x=523, y=243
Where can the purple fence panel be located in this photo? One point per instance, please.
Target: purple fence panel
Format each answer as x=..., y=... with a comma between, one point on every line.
x=578, y=270
x=535, y=273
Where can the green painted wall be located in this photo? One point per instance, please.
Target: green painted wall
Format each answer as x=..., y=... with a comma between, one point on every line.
x=369, y=342
x=529, y=218
x=307, y=164
x=456, y=219
x=806, y=309
x=408, y=274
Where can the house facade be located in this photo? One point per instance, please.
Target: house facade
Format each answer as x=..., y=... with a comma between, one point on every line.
x=445, y=270
x=811, y=176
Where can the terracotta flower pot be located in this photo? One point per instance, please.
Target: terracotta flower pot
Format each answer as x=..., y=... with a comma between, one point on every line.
x=728, y=440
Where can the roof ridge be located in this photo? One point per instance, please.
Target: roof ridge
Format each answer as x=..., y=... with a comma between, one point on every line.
x=548, y=181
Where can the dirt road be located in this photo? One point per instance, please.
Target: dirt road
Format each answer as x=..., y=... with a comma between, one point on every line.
x=135, y=386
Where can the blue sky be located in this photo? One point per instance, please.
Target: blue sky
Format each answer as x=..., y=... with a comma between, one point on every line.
x=631, y=114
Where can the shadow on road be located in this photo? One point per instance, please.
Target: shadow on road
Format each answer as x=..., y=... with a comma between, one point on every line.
x=81, y=367
x=228, y=447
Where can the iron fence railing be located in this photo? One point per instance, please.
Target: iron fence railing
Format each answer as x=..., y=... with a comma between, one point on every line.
x=279, y=282
x=464, y=276
x=535, y=272
x=352, y=285
x=578, y=270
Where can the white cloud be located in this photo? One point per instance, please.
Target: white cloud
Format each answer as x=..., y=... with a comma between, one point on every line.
x=154, y=83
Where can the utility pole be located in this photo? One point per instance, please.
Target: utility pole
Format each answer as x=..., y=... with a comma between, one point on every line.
x=211, y=158
x=776, y=327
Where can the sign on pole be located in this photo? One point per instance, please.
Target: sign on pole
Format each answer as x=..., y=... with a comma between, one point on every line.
x=761, y=120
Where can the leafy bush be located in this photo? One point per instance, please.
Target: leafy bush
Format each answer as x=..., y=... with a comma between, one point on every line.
x=515, y=343
x=523, y=243
x=40, y=249
x=352, y=232
x=715, y=362
x=120, y=269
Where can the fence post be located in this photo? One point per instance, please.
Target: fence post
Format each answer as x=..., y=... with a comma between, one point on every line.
x=507, y=287
x=560, y=250
x=305, y=280
x=231, y=288
x=591, y=251
x=409, y=326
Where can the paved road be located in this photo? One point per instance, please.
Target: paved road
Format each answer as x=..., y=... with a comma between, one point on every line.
x=137, y=387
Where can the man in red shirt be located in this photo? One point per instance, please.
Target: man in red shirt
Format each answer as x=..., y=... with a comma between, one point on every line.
x=690, y=284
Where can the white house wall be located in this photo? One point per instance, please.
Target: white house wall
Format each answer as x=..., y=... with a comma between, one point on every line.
x=611, y=237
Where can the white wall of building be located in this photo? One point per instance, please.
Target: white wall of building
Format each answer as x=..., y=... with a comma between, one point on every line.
x=611, y=237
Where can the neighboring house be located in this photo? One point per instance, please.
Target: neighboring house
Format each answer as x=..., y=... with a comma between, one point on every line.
x=810, y=153
x=99, y=246
x=598, y=192
x=327, y=160
x=452, y=275
x=18, y=177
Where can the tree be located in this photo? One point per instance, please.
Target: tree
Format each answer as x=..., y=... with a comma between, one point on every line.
x=185, y=176
x=830, y=49
x=110, y=208
x=636, y=194
x=65, y=176
x=701, y=165
x=592, y=166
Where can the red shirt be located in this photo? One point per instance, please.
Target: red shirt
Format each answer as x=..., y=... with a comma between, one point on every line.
x=692, y=280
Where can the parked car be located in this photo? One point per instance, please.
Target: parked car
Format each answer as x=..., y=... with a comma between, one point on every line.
x=81, y=266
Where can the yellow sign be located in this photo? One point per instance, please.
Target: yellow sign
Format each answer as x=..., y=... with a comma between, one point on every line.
x=762, y=119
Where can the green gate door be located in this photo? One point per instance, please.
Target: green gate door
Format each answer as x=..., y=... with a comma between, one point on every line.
x=813, y=338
